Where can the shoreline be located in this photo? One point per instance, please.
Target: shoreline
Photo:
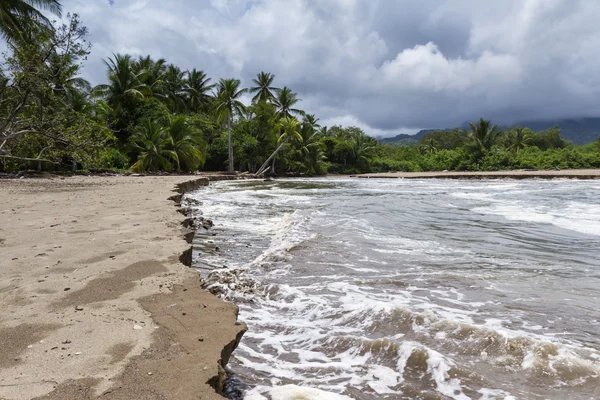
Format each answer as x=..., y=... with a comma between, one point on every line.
x=98, y=299
x=513, y=174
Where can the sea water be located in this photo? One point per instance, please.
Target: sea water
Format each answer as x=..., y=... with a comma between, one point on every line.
x=408, y=289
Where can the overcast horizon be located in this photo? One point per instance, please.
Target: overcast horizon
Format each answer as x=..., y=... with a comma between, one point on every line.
x=389, y=67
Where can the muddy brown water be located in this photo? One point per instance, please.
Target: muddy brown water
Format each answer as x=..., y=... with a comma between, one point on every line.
x=410, y=289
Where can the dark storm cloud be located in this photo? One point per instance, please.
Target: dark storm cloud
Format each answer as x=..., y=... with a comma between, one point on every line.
x=381, y=64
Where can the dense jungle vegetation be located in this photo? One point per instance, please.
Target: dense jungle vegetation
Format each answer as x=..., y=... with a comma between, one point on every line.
x=151, y=116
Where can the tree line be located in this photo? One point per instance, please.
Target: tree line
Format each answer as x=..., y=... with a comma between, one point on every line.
x=151, y=115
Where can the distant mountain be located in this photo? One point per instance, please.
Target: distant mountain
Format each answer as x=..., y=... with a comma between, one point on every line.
x=578, y=131
x=406, y=140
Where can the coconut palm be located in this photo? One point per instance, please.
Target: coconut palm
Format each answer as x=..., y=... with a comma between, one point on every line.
x=151, y=73
x=483, y=135
x=173, y=89
x=197, y=90
x=187, y=143
x=155, y=147
x=125, y=83
x=310, y=122
x=66, y=82
x=227, y=104
x=290, y=130
x=429, y=146
x=263, y=89
x=20, y=16
x=518, y=139
x=361, y=147
x=310, y=149
x=285, y=101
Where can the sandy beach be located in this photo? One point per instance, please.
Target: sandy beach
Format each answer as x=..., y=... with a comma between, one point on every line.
x=96, y=301
x=516, y=174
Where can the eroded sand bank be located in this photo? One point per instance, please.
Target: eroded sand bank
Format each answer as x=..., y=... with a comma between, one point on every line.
x=95, y=300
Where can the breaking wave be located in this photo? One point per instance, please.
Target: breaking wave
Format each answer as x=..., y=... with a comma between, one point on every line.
x=343, y=301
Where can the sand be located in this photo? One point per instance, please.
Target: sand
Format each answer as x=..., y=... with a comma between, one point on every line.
x=517, y=174
x=95, y=300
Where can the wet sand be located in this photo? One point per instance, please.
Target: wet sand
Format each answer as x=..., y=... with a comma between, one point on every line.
x=516, y=174
x=95, y=298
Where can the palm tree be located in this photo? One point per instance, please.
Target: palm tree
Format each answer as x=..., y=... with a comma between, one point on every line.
x=19, y=16
x=289, y=127
x=263, y=89
x=518, y=139
x=174, y=87
x=429, y=146
x=151, y=73
x=483, y=136
x=285, y=101
x=228, y=103
x=310, y=122
x=66, y=82
x=310, y=148
x=125, y=83
x=361, y=147
x=154, y=145
x=187, y=143
x=197, y=90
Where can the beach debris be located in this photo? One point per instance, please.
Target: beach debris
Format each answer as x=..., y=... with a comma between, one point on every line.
x=149, y=373
x=66, y=289
x=66, y=341
x=15, y=258
x=78, y=308
x=137, y=327
x=78, y=353
x=201, y=339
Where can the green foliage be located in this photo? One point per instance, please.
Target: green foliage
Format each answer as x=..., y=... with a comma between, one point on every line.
x=113, y=159
x=44, y=112
x=446, y=140
x=20, y=20
x=163, y=118
x=187, y=143
x=153, y=145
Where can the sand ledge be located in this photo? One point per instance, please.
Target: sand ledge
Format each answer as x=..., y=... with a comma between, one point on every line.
x=97, y=302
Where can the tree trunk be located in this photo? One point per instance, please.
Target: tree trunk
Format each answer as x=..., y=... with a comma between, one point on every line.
x=230, y=148
x=264, y=166
x=273, y=165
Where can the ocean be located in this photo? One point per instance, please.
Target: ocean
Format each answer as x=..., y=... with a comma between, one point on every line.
x=408, y=289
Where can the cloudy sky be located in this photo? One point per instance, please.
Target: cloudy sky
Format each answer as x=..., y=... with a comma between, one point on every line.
x=388, y=66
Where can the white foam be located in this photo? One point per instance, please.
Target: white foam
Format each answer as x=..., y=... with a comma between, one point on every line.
x=294, y=392
x=578, y=217
x=491, y=394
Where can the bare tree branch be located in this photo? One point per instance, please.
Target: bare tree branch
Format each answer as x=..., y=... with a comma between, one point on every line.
x=28, y=159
